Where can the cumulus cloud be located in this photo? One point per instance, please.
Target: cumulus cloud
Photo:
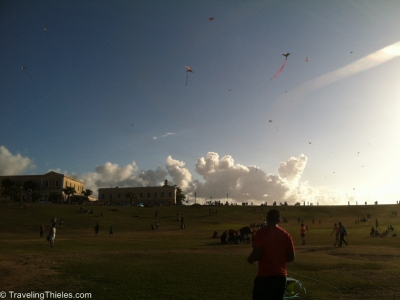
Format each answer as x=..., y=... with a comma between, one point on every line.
x=293, y=168
x=14, y=164
x=221, y=178
x=112, y=175
x=180, y=175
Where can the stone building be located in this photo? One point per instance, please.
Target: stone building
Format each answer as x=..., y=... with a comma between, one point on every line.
x=46, y=184
x=148, y=196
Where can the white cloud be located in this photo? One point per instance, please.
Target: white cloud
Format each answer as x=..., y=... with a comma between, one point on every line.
x=180, y=176
x=163, y=136
x=293, y=168
x=11, y=164
x=112, y=175
x=220, y=177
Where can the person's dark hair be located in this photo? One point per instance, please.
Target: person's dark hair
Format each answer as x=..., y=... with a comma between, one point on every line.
x=273, y=216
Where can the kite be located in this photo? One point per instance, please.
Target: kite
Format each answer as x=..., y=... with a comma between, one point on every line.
x=283, y=65
x=24, y=69
x=307, y=59
x=211, y=18
x=188, y=69
x=229, y=90
x=45, y=29
x=270, y=121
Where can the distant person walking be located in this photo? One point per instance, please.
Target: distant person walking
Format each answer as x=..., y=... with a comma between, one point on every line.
x=342, y=233
x=376, y=224
x=273, y=248
x=41, y=230
x=112, y=230
x=336, y=231
x=303, y=233
x=96, y=229
x=52, y=235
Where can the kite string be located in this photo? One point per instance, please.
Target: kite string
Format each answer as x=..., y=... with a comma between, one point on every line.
x=341, y=296
x=280, y=70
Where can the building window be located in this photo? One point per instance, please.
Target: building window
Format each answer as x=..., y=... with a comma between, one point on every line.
x=126, y=196
x=111, y=196
x=148, y=195
x=57, y=183
x=162, y=194
x=155, y=195
x=170, y=194
x=119, y=196
x=46, y=184
x=141, y=195
x=103, y=196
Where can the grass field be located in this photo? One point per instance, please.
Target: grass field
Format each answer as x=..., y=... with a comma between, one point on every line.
x=175, y=263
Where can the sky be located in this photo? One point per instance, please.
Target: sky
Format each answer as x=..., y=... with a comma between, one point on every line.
x=98, y=90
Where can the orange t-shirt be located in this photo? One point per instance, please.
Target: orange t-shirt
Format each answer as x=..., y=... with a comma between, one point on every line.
x=275, y=243
x=303, y=230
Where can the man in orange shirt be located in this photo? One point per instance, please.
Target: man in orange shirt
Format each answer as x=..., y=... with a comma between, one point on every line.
x=272, y=248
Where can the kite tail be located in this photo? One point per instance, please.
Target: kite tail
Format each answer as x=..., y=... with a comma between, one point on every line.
x=280, y=70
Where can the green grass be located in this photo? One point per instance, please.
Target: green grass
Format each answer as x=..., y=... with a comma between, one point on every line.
x=171, y=263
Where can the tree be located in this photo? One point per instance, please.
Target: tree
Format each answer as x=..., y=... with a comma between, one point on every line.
x=87, y=193
x=56, y=197
x=8, y=188
x=133, y=197
x=36, y=196
x=180, y=197
x=69, y=191
x=29, y=186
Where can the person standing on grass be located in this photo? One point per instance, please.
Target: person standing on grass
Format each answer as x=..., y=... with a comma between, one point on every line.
x=112, y=230
x=96, y=229
x=52, y=235
x=303, y=233
x=342, y=233
x=336, y=231
x=41, y=229
x=376, y=224
x=273, y=248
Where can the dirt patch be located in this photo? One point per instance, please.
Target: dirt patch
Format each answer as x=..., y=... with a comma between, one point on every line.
x=25, y=270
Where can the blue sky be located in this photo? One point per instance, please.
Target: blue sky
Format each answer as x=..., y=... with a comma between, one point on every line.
x=102, y=66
